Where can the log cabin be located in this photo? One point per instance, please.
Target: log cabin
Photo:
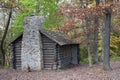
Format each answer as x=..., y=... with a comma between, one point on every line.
x=39, y=49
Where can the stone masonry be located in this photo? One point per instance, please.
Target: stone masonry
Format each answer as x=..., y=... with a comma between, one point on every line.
x=31, y=54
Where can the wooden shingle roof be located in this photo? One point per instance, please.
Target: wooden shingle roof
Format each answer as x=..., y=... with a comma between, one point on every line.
x=58, y=37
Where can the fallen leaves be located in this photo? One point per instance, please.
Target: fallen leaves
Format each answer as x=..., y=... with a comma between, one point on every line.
x=80, y=72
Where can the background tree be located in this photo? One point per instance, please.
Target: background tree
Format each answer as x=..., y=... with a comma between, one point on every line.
x=68, y=17
x=96, y=23
x=106, y=38
x=9, y=5
x=103, y=11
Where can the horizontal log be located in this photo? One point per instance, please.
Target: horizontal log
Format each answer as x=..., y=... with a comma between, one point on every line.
x=17, y=51
x=19, y=64
x=17, y=55
x=66, y=60
x=48, y=58
x=48, y=66
x=48, y=61
x=17, y=47
x=45, y=55
x=18, y=68
x=44, y=38
x=47, y=46
x=48, y=52
x=66, y=63
x=47, y=40
x=18, y=59
x=64, y=57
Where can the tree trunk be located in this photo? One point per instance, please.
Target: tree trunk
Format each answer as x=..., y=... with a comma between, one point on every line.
x=89, y=55
x=4, y=37
x=96, y=40
x=88, y=43
x=106, y=38
x=96, y=22
x=106, y=42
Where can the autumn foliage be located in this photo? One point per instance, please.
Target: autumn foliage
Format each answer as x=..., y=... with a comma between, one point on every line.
x=75, y=14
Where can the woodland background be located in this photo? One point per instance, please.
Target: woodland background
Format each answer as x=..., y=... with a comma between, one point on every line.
x=95, y=24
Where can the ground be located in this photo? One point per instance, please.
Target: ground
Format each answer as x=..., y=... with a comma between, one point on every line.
x=80, y=72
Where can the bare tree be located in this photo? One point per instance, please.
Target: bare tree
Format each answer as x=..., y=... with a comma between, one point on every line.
x=4, y=35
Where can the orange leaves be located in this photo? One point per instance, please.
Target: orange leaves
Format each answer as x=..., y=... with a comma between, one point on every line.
x=76, y=11
x=67, y=26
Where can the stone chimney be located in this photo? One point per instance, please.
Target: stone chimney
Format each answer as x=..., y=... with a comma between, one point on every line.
x=31, y=54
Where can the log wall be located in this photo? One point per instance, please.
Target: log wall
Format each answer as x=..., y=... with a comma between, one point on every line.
x=16, y=54
x=54, y=55
x=65, y=55
x=49, y=50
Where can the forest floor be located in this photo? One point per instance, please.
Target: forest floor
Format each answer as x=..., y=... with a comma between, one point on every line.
x=80, y=72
